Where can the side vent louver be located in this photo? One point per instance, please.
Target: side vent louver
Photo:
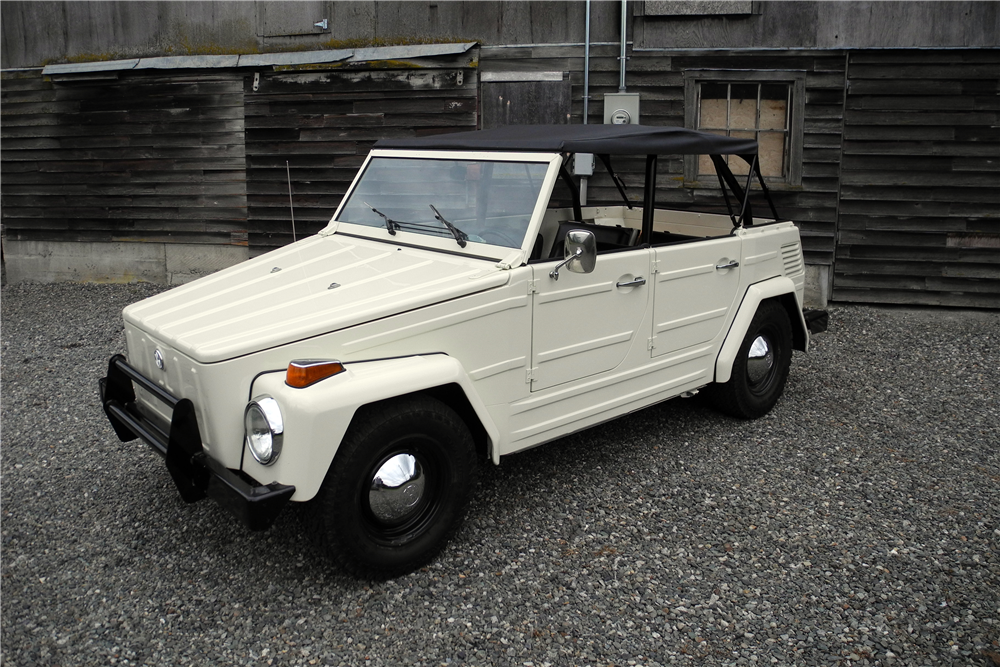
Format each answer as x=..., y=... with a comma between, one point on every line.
x=791, y=258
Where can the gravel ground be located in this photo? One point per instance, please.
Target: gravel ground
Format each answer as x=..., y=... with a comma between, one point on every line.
x=857, y=524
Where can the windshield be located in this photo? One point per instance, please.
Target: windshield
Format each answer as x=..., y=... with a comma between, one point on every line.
x=469, y=200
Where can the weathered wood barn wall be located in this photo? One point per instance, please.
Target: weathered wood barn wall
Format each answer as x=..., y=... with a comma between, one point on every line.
x=896, y=175
x=898, y=201
x=658, y=78
x=177, y=173
x=318, y=126
x=920, y=180
x=150, y=165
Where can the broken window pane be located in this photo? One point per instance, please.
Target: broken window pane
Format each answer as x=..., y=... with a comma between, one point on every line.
x=749, y=110
x=771, y=153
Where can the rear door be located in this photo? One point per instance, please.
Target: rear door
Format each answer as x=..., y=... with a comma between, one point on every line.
x=693, y=293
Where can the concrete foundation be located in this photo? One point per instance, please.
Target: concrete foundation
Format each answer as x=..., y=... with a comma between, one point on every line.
x=185, y=262
x=162, y=263
x=179, y=263
x=817, y=292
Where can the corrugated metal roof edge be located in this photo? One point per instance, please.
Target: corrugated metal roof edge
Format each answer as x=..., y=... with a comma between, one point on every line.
x=265, y=59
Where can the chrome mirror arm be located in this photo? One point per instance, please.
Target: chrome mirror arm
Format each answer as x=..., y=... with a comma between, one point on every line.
x=554, y=273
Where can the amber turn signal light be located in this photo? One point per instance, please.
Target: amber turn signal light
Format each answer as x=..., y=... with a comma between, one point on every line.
x=304, y=372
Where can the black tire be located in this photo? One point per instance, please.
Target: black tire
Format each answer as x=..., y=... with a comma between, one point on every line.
x=376, y=530
x=756, y=383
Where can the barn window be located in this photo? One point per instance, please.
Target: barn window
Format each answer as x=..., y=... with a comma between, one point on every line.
x=765, y=106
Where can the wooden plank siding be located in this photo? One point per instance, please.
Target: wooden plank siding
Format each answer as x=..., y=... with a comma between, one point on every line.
x=324, y=122
x=900, y=187
x=920, y=187
x=145, y=157
x=658, y=77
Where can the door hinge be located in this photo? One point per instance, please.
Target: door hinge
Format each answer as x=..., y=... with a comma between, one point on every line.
x=654, y=267
x=529, y=376
x=532, y=287
x=651, y=343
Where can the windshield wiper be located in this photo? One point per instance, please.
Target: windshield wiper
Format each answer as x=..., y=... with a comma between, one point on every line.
x=390, y=224
x=459, y=235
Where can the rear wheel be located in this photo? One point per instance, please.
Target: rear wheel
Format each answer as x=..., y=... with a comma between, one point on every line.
x=397, y=488
x=761, y=366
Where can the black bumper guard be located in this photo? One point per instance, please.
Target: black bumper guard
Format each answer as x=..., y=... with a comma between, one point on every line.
x=195, y=473
x=816, y=320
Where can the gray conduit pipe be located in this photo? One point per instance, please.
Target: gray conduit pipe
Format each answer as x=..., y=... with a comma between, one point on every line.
x=586, y=95
x=586, y=68
x=621, y=84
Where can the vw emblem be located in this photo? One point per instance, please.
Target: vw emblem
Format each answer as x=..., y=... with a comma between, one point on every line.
x=158, y=358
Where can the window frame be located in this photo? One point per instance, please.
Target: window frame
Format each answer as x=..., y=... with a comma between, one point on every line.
x=796, y=79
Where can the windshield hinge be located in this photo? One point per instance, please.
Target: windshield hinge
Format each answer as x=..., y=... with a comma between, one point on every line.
x=512, y=260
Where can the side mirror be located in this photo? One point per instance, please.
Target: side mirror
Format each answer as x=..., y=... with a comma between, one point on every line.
x=580, y=253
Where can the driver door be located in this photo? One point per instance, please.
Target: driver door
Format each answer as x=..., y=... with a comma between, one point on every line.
x=584, y=324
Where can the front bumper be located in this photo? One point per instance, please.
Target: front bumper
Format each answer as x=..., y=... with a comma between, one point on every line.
x=195, y=473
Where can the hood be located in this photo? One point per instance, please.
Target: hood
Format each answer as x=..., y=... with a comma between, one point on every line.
x=318, y=285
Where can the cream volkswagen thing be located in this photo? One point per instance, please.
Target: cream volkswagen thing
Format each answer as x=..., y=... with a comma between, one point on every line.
x=460, y=306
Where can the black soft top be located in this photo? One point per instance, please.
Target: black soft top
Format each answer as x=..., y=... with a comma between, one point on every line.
x=600, y=139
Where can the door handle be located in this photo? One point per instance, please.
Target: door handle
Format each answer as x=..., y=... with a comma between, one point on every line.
x=632, y=283
x=732, y=265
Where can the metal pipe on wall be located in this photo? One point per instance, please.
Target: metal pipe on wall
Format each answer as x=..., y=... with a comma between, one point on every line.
x=586, y=68
x=621, y=83
x=586, y=95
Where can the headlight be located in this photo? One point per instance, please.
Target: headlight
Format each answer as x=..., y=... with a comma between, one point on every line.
x=264, y=429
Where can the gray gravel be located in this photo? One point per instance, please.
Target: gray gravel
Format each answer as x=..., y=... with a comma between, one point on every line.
x=857, y=524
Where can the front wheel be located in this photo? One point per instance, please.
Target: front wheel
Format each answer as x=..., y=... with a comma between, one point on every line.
x=761, y=366
x=397, y=488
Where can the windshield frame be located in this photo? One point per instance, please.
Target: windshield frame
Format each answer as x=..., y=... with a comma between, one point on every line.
x=447, y=244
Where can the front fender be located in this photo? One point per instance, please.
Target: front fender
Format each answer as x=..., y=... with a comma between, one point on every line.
x=768, y=289
x=316, y=418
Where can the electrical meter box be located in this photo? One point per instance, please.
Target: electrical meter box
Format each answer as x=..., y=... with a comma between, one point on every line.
x=621, y=109
x=583, y=164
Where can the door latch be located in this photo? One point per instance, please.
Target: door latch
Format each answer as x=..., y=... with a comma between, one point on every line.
x=632, y=283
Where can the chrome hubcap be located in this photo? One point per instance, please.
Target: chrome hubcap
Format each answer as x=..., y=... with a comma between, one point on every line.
x=760, y=360
x=396, y=489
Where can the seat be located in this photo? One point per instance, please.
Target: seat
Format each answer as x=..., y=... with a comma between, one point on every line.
x=608, y=238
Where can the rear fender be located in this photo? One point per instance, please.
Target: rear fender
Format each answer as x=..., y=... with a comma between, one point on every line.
x=316, y=418
x=780, y=288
